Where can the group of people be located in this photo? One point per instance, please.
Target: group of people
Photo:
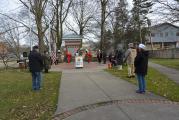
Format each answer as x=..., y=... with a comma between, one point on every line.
x=136, y=58
x=114, y=57
x=101, y=56
x=87, y=55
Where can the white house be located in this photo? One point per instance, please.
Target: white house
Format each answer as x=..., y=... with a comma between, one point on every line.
x=164, y=36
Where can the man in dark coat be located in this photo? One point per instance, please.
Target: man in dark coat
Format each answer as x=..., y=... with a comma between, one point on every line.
x=104, y=55
x=119, y=58
x=99, y=56
x=110, y=57
x=141, y=67
x=36, y=67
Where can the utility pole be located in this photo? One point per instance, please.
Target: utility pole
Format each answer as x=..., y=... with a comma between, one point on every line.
x=49, y=39
x=30, y=29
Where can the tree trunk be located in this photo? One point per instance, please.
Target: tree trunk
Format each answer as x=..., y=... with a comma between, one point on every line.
x=103, y=13
x=57, y=25
x=61, y=29
x=40, y=34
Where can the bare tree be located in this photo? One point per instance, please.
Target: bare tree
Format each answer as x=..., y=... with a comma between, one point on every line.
x=37, y=7
x=13, y=36
x=61, y=10
x=20, y=19
x=169, y=9
x=3, y=54
x=83, y=16
x=103, y=20
x=107, y=7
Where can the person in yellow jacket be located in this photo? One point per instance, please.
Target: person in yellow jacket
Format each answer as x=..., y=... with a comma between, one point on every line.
x=130, y=55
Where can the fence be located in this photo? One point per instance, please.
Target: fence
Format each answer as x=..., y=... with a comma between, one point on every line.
x=168, y=53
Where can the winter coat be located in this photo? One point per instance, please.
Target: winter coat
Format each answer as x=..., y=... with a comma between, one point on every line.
x=119, y=57
x=110, y=57
x=130, y=56
x=35, y=62
x=104, y=55
x=47, y=61
x=141, y=63
x=99, y=55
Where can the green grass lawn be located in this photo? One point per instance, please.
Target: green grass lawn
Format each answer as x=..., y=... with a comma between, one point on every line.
x=19, y=102
x=172, y=63
x=156, y=83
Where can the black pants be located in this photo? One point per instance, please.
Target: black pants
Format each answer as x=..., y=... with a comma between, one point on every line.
x=114, y=63
x=99, y=60
x=46, y=70
x=104, y=60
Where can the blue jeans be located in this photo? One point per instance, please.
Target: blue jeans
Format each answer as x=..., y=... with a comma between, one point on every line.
x=36, y=80
x=141, y=82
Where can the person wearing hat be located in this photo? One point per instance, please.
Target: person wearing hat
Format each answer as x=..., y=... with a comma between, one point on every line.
x=130, y=55
x=36, y=67
x=141, y=66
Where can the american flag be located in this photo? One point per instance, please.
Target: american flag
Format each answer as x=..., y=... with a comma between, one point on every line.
x=54, y=57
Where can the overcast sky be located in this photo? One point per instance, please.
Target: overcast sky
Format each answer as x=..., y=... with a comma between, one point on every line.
x=7, y=6
x=10, y=5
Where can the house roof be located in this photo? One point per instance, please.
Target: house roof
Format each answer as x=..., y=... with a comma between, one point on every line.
x=166, y=23
x=72, y=37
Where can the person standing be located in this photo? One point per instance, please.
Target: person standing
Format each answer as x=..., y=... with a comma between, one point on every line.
x=99, y=56
x=69, y=57
x=141, y=67
x=119, y=59
x=58, y=57
x=77, y=54
x=104, y=55
x=36, y=67
x=46, y=61
x=129, y=58
x=113, y=59
x=110, y=57
x=89, y=56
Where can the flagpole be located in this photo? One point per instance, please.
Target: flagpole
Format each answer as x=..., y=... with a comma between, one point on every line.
x=49, y=41
x=30, y=29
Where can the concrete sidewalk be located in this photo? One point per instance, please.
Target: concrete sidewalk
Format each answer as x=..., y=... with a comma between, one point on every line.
x=92, y=94
x=173, y=74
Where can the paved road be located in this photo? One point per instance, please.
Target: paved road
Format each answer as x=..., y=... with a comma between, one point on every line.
x=171, y=73
x=93, y=94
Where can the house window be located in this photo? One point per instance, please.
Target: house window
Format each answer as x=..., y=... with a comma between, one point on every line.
x=171, y=33
x=177, y=34
x=161, y=34
x=153, y=34
x=166, y=34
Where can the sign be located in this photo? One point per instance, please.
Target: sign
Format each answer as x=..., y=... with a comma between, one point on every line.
x=78, y=61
